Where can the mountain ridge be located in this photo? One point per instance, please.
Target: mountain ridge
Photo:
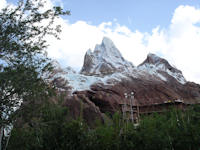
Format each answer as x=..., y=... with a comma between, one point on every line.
x=105, y=65
x=106, y=59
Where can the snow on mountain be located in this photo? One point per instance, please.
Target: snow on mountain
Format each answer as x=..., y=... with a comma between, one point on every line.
x=156, y=66
x=105, y=65
x=80, y=82
x=68, y=79
x=106, y=59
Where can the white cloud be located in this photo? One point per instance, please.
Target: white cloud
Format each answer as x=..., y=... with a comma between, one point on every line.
x=180, y=42
x=2, y=4
x=77, y=38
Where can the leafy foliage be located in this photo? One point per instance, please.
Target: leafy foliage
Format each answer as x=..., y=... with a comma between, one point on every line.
x=170, y=130
x=23, y=60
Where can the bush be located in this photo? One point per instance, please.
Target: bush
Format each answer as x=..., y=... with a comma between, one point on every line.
x=170, y=130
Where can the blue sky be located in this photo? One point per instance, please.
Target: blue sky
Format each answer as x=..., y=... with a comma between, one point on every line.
x=142, y=15
x=168, y=28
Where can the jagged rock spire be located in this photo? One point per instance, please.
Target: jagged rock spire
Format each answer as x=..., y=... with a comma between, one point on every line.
x=106, y=59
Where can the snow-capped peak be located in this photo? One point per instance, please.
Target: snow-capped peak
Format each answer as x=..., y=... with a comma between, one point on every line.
x=153, y=58
x=105, y=65
x=106, y=59
x=108, y=42
x=156, y=65
x=108, y=51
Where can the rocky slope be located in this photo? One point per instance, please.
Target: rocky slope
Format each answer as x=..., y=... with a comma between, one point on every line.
x=106, y=76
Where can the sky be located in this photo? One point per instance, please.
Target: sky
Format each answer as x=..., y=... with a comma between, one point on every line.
x=168, y=28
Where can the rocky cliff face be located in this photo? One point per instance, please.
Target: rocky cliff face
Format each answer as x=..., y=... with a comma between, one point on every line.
x=106, y=76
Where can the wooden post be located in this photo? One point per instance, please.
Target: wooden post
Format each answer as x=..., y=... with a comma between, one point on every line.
x=138, y=112
x=131, y=103
x=125, y=107
x=123, y=111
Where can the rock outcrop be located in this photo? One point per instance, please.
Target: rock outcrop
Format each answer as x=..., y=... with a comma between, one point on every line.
x=106, y=59
x=156, y=65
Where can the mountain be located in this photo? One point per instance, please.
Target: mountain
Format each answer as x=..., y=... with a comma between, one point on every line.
x=106, y=76
x=156, y=65
x=106, y=59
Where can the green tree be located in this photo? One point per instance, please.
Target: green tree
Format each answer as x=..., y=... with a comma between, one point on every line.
x=23, y=60
x=44, y=130
x=49, y=129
